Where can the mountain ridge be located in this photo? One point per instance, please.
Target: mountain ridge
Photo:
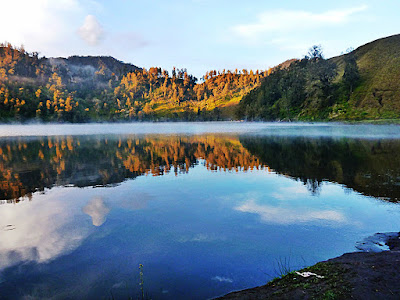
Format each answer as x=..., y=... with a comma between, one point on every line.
x=360, y=85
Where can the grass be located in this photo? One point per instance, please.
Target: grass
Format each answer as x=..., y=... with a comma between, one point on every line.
x=283, y=266
x=332, y=286
x=379, y=64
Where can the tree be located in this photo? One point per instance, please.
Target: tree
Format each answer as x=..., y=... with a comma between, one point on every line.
x=321, y=74
x=314, y=53
x=351, y=74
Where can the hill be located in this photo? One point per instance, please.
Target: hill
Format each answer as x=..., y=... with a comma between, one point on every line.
x=55, y=89
x=363, y=84
x=99, y=88
x=359, y=85
x=378, y=92
x=18, y=65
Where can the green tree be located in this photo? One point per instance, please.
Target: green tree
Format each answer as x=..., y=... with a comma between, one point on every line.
x=351, y=74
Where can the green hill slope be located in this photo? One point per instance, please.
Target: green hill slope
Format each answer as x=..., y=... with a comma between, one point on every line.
x=364, y=84
x=378, y=94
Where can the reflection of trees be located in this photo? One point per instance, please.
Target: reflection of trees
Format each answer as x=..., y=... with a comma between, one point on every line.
x=371, y=167
x=32, y=165
x=29, y=165
x=313, y=185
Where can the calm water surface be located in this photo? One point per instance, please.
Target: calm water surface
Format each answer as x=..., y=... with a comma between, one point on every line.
x=206, y=208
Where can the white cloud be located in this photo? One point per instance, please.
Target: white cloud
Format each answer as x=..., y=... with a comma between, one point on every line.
x=91, y=31
x=280, y=21
x=40, y=23
x=286, y=215
x=53, y=28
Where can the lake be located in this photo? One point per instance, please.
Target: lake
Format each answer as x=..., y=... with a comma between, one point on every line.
x=204, y=208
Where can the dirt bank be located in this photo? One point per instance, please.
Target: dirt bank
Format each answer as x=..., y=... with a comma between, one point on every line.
x=357, y=275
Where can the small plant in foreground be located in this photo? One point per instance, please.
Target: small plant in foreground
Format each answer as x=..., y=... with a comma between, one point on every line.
x=141, y=283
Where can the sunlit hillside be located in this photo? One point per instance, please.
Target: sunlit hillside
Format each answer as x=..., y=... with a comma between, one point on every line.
x=79, y=89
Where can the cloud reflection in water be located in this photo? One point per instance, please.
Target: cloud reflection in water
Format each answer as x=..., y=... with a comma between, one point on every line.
x=43, y=230
x=285, y=215
x=97, y=210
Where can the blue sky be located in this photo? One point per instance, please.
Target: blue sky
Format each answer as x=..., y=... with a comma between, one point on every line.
x=196, y=34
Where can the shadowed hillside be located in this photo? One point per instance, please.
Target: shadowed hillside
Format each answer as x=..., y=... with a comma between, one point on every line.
x=363, y=84
x=378, y=93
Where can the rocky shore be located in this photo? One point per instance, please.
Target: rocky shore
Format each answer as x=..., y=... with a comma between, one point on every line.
x=371, y=274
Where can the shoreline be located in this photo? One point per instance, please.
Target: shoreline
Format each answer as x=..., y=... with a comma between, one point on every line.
x=354, y=275
x=178, y=120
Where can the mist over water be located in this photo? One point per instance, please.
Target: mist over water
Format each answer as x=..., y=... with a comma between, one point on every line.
x=207, y=208
x=334, y=130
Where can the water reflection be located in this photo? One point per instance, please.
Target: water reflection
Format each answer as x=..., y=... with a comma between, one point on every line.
x=371, y=167
x=97, y=210
x=28, y=165
x=289, y=215
x=40, y=231
x=212, y=215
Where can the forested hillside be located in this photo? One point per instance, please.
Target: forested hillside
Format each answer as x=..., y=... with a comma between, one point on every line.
x=362, y=84
x=79, y=89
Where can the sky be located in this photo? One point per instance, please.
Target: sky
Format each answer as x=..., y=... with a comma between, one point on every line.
x=199, y=35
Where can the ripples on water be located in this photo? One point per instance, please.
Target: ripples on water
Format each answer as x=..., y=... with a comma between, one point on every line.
x=207, y=208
